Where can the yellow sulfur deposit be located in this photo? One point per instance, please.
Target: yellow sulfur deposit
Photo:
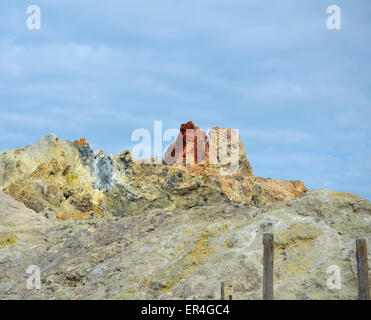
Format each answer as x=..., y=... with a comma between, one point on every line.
x=7, y=240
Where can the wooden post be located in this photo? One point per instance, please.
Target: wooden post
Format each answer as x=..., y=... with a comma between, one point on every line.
x=268, y=266
x=362, y=270
x=230, y=297
x=222, y=291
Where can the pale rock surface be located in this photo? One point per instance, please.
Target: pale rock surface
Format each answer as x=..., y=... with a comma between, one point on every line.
x=186, y=253
x=51, y=175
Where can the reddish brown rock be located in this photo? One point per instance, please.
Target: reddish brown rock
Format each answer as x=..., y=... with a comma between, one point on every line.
x=224, y=150
x=81, y=142
x=189, y=146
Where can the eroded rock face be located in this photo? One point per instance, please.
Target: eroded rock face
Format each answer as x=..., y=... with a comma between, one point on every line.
x=226, y=152
x=189, y=146
x=80, y=143
x=73, y=181
x=186, y=254
x=223, y=150
x=51, y=175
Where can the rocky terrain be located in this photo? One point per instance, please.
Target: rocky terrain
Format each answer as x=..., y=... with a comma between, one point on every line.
x=72, y=181
x=108, y=227
x=185, y=254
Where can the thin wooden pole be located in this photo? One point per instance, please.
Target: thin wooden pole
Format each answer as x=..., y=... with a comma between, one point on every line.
x=222, y=291
x=362, y=270
x=268, y=266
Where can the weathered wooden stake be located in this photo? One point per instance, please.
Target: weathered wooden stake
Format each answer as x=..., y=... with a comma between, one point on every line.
x=362, y=270
x=268, y=266
x=222, y=291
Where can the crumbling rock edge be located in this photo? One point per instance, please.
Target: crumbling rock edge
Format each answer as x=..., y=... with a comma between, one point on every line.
x=74, y=182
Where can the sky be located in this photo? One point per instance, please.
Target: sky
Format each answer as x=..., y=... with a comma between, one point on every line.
x=299, y=93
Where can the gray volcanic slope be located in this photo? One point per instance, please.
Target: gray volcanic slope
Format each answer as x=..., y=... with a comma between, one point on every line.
x=185, y=253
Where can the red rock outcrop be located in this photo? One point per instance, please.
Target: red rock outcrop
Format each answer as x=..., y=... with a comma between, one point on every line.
x=223, y=150
x=189, y=147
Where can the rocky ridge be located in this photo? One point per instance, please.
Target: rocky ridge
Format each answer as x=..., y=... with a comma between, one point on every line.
x=73, y=181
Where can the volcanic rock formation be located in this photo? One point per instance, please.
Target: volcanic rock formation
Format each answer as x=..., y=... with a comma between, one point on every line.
x=107, y=227
x=71, y=180
x=189, y=146
x=193, y=147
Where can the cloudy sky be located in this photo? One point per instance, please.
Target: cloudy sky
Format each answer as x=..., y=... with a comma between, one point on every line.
x=299, y=93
